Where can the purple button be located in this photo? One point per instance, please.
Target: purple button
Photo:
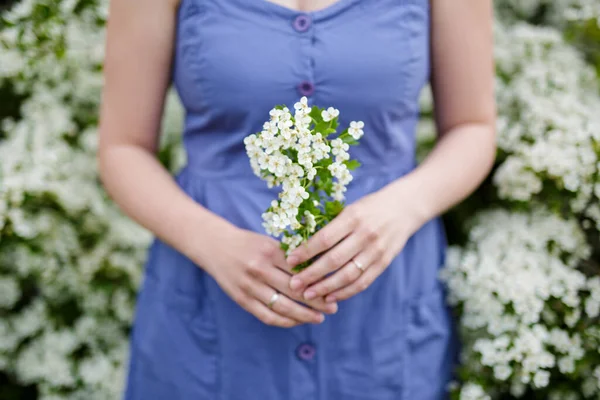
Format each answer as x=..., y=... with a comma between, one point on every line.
x=306, y=352
x=306, y=88
x=301, y=23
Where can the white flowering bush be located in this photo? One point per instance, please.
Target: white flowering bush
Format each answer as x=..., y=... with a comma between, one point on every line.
x=524, y=274
x=294, y=152
x=526, y=308
x=70, y=262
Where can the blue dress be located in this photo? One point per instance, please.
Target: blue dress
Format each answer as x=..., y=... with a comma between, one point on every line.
x=234, y=60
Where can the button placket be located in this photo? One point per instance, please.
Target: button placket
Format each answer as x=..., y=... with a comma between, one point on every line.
x=303, y=23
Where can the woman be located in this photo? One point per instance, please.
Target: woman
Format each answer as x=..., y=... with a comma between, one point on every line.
x=219, y=315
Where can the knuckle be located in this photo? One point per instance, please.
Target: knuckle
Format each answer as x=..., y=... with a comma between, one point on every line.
x=288, y=323
x=370, y=232
x=342, y=295
x=269, y=319
x=334, y=259
x=268, y=249
x=386, y=259
x=282, y=307
x=350, y=275
x=353, y=215
x=255, y=268
x=324, y=287
x=379, y=249
x=325, y=241
x=362, y=285
x=245, y=287
x=306, y=316
x=240, y=299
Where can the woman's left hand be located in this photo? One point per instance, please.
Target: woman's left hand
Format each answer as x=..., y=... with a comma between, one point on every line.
x=358, y=245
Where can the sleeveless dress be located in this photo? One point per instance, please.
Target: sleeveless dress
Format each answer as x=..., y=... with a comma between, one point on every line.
x=235, y=60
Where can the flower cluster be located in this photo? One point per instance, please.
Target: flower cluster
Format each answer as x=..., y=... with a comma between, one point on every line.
x=70, y=262
x=524, y=304
x=558, y=12
x=525, y=284
x=295, y=152
x=549, y=128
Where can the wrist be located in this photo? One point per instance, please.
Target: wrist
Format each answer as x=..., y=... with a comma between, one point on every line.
x=206, y=231
x=407, y=198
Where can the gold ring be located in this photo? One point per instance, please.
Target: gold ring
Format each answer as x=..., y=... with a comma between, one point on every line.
x=358, y=265
x=274, y=298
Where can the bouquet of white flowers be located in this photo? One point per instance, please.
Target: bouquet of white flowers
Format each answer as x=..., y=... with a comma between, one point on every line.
x=297, y=153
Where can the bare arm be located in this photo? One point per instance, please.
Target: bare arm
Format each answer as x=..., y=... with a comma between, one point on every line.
x=465, y=110
x=137, y=67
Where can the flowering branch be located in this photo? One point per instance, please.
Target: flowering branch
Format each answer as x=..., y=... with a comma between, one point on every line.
x=297, y=153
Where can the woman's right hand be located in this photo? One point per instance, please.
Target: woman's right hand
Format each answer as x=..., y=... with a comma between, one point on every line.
x=250, y=268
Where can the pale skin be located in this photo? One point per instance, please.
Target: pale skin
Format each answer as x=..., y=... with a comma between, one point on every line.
x=250, y=266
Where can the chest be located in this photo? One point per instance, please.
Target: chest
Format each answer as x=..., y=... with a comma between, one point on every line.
x=242, y=55
x=304, y=5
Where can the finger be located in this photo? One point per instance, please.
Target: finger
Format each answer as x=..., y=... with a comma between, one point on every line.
x=291, y=309
x=331, y=261
x=286, y=307
x=268, y=316
x=341, y=278
x=280, y=281
x=278, y=259
x=359, y=285
x=326, y=238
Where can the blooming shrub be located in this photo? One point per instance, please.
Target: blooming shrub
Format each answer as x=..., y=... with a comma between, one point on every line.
x=522, y=274
x=69, y=260
x=525, y=282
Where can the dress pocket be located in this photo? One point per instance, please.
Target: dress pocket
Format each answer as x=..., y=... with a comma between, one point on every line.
x=173, y=355
x=430, y=348
x=370, y=369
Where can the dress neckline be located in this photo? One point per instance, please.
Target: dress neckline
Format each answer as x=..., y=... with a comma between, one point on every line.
x=324, y=12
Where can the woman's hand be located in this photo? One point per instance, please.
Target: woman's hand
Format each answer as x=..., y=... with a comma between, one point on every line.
x=358, y=245
x=250, y=268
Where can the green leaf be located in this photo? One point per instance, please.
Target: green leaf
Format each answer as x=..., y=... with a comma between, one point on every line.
x=300, y=267
x=321, y=127
x=327, y=185
x=333, y=208
x=352, y=164
x=315, y=114
x=334, y=124
x=349, y=140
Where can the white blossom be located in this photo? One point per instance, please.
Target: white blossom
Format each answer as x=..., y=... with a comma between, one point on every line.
x=330, y=113
x=356, y=129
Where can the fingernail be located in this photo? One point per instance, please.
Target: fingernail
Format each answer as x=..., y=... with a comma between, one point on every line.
x=332, y=308
x=330, y=299
x=320, y=318
x=295, y=284
x=292, y=260
x=310, y=294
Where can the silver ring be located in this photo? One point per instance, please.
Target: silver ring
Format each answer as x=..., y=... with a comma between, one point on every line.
x=358, y=265
x=274, y=298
